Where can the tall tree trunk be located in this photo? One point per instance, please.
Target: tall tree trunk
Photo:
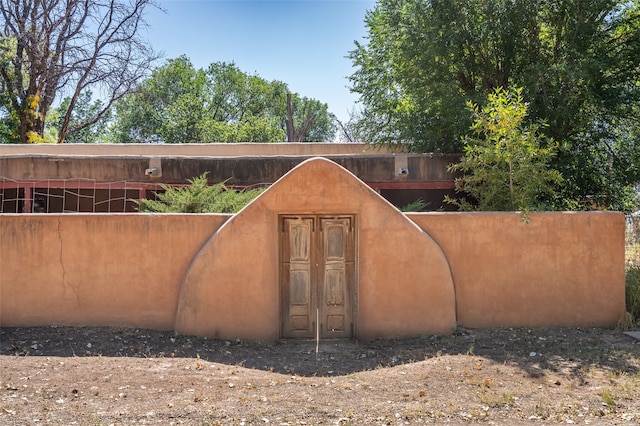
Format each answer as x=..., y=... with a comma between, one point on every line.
x=291, y=131
x=309, y=118
x=23, y=128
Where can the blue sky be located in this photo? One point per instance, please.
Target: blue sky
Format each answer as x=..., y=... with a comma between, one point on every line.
x=303, y=43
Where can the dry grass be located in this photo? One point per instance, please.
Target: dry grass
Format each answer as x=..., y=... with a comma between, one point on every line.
x=103, y=376
x=632, y=241
x=632, y=255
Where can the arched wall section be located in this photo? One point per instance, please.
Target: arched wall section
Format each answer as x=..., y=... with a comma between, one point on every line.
x=404, y=285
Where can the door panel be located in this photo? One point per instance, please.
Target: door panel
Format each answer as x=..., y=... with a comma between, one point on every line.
x=335, y=276
x=296, y=275
x=317, y=276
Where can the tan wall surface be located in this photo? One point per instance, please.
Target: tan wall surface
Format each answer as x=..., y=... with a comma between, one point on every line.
x=96, y=269
x=193, y=150
x=217, y=275
x=560, y=269
x=404, y=285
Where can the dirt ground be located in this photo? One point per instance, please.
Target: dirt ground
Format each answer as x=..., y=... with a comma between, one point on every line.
x=104, y=376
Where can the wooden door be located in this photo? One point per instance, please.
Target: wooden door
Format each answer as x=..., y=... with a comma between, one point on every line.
x=317, y=271
x=297, y=250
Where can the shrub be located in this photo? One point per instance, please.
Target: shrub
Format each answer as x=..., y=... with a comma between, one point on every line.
x=199, y=197
x=415, y=206
x=506, y=161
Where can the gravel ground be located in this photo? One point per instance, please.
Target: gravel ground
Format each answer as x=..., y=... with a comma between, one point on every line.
x=104, y=376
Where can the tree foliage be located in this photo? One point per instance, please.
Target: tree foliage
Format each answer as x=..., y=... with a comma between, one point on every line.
x=199, y=197
x=51, y=47
x=85, y=110
x=506, y=162
x=308, y=120
x=181, y=104
x=576, y=61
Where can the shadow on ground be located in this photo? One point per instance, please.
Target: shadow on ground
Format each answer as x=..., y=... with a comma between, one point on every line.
x=534, y=350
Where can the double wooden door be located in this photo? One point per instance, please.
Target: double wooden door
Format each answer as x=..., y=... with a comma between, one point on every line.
x=317, y=275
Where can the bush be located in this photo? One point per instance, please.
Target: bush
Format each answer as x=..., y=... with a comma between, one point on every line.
x=415, y=206
x=632, y=291
x=506, y=161
x=199, y=197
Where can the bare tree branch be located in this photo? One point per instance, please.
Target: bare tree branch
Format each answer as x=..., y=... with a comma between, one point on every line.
x=70, y=46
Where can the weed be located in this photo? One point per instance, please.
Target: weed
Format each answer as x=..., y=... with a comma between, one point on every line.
x=625, y=322
x=632, y=254
x=632, y=290
x=608, y=399
x=471, y=350
x=626, y=391
x=542, y=411
x=494, y=401
x=508, y=398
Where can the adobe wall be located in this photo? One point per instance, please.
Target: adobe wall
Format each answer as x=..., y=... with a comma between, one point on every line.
x=558, y=270
x=195, y=150
x=96, y=269
x=404, y=285
x=244, y=170
x=217, y=276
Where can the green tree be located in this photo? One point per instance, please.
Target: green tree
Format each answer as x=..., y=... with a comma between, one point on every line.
x=55, y=46
x=181, y=104
x=152, y=112
x=576, y=61
x=8, y=120
x=506, y=163
x=235, y=96
x=199, y=197
x=308, y=120
x=86, y=124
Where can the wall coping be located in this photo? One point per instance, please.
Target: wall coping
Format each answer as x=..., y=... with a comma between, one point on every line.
x=197, y=150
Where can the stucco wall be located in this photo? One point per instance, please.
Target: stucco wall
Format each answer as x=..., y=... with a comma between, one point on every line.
x=96, y=269
x=218, y=276
x=557, y=269
x=422, y=170
x=403, y=287
x=194, y=150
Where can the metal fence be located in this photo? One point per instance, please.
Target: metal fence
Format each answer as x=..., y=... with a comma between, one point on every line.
x=79, y=195
x=72, y=196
